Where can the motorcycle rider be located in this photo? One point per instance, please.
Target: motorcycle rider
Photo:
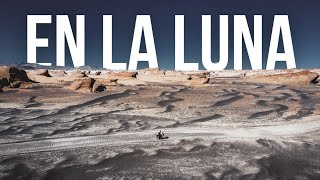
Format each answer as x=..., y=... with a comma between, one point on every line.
x=160, y=134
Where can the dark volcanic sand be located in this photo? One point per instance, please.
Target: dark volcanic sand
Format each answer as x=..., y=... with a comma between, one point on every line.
x=219, y=131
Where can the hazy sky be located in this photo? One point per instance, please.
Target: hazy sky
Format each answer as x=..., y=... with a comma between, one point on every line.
x=303, y=15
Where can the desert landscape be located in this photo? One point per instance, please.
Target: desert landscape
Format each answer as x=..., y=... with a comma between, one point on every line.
x=87, y=123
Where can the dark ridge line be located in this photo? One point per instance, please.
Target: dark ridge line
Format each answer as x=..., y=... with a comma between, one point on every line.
x=77, y=126
x=213, y=117
x=83, y=117
x=230, y=94
x=169, y=108
x=227, y=101
x=171, y=99
x=216, y=116
x=251, y=94
x=280, y=87
x=97, y=100
x=307, y=105
x=168, y=102
x=278, y=110
x=261, y=103
x=284, y=97
x=303, y=112
x=116, y=111
x=8, y=131
x=68, y=130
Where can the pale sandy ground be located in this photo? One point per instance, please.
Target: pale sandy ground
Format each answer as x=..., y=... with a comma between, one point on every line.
x=223, y=130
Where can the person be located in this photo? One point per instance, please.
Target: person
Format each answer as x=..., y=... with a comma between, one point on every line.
x=160, y=134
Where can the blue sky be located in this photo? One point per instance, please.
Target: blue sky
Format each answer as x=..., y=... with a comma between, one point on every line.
x=303, y=16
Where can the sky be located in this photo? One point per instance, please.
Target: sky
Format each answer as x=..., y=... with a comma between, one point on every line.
x=303, y=17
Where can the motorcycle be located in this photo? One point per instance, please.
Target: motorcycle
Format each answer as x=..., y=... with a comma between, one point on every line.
x=161, y=136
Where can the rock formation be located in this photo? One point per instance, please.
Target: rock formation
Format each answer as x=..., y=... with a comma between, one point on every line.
x=12, y=77
x=124, y=75
x=101, y=84
x=196, y=80
x=42, y=76
x=57, y=73
x=40, y=72
x=84, y=85
x=97, y=81
x=303, y=77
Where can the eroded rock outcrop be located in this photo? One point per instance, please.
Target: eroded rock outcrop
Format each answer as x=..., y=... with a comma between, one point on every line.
x=12, y=77
x=13, y=74
x=197, y=80
x=124, y=75
x=97, y=81
x=84, y=85
x=41, y=76
x=40, y=72
x=77, y=74
x=152, y=71
x=127, y=78
x=102, y=84
x=204, y=74
x=57, y=73
x=166, y=77
x=303, y=77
